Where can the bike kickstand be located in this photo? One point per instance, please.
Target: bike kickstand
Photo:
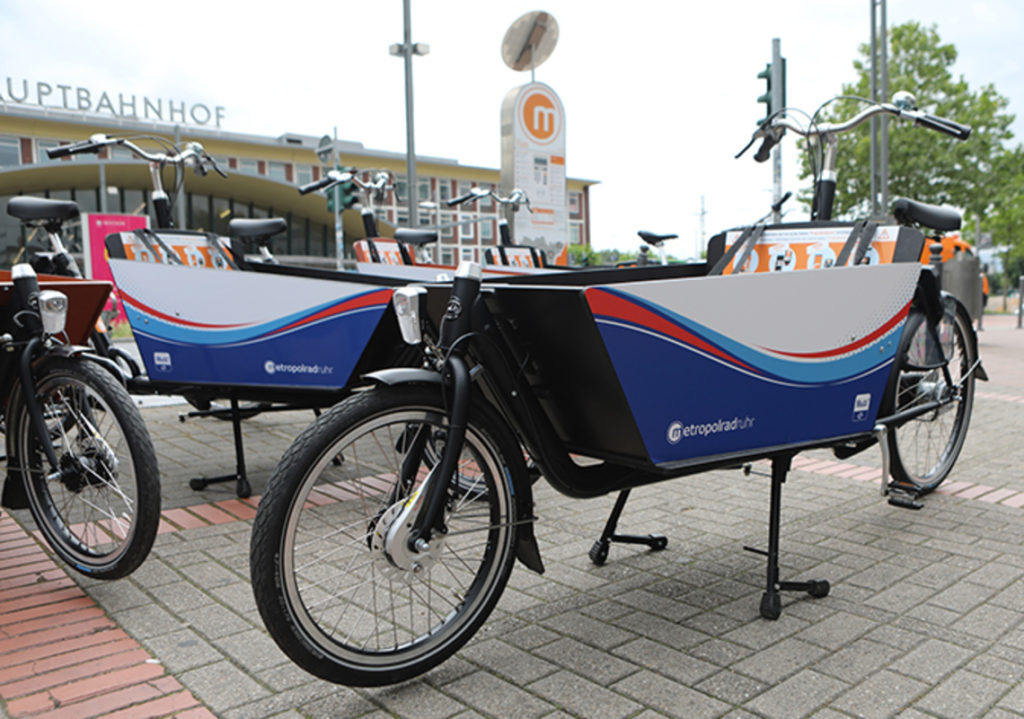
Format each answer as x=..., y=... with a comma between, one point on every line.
x=599, y=552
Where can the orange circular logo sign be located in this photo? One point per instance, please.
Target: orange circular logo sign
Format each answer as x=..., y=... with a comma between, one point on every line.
x=540, y=117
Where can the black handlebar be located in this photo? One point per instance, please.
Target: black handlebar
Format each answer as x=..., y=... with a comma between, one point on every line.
x=315, y=185
x=459, y=200
x=960, y=132
x=78, y=147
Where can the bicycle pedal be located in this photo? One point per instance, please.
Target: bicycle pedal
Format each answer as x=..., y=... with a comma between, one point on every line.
x=900, y=497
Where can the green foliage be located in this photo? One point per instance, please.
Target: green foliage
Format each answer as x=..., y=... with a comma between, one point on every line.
x=923, y=165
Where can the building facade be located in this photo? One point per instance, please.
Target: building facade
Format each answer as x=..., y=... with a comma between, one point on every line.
x=263, y=176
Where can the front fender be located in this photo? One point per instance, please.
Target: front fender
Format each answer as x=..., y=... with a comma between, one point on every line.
x=527, y=550
x=404, y=375
x=86, y=353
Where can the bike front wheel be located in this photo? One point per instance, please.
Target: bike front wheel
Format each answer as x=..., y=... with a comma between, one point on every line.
x=924, y=449
x=333, y=594
x=100, y=512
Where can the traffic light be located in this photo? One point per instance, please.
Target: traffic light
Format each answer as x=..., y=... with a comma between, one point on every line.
x=346, y=192
x=766, y=98
x=769, y=92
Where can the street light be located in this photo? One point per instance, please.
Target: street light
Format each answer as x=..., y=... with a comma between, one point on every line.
x=407, y=48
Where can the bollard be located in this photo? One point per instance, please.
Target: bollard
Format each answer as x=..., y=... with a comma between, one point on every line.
x=981, y=300
x=1020, y=300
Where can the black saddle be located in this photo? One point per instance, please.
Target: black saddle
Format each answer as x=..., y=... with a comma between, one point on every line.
x=908, y=212
x=257, y=229
x=39, y=208
x=654, y=239
x=415, y=237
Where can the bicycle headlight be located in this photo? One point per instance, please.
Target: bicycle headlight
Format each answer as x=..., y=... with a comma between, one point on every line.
x=53, y=310
x=409, y=307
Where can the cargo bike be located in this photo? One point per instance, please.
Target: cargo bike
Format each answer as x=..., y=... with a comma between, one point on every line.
x=389, y=529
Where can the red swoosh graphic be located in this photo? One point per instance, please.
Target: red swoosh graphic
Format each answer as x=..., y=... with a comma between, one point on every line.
x=605, y=303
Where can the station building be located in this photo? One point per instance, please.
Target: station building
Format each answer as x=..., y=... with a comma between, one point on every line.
x=263, y=176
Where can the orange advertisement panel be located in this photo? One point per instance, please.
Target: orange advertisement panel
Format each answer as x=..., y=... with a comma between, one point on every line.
x=189, y=248
x=785, y=249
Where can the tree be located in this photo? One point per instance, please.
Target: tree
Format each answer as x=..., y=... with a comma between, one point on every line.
x=923, y=165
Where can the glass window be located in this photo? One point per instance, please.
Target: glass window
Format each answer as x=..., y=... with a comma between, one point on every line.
x=133, y=202
x=10, y=152
x=445, y=189
x=466, y=231
x=248, y=166
x=401, y=190
x=10, y=235
x=574, y=204
x=447, y=255
x=303, y=174
x=118, y=152
x=200, y=212
x=221, y=215
x=277, y=171
x=402, y=218
x=423, y=188
x=239, y=209
x=447, y=231
x=487, y=231
x=574, y=234
x=86, y=200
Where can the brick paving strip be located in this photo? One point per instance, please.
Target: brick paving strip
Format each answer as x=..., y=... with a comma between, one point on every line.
x=63, y=658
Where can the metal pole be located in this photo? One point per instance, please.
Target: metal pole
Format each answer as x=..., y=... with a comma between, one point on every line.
x=777, y=80
x=884, y=119
x=179, y=206
x=874, y=120
x=339, y=232
x=410, y=151
x=103, y=186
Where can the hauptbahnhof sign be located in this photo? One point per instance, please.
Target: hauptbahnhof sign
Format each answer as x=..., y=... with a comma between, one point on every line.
x=128, y=106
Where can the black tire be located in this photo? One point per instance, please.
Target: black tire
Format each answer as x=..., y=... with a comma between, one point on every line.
x=101, y=515
x=328, y=591
x=924, y=449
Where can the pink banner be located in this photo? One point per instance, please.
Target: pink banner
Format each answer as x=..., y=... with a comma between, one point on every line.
x=95, y=228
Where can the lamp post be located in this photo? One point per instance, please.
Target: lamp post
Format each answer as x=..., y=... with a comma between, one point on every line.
x=406, y=49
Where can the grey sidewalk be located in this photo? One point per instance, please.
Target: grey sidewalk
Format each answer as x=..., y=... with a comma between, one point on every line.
x=924, y=618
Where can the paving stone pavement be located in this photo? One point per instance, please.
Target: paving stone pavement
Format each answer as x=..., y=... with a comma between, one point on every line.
x=924, y=618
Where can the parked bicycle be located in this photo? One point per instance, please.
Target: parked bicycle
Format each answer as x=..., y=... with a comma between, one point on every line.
x=372, y=560
x=78, y=454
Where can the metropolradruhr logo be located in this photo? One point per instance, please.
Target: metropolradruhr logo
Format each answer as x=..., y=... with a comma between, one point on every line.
x=271, y=367
x=678, y=431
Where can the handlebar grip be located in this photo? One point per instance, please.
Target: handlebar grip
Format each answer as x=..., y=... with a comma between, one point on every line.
x=765, y=150
x=73, y=149
x=458, y=200
x=315, y=185
x=960, y=132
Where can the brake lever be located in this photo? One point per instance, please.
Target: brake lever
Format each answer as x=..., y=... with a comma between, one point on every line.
x=747, y=146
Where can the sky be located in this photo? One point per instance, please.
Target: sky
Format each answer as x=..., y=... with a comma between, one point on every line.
x=659, y=96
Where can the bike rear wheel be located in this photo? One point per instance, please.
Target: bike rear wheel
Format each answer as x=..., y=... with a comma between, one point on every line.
x=924, y=449
x=330, y=593
x=101, y=514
